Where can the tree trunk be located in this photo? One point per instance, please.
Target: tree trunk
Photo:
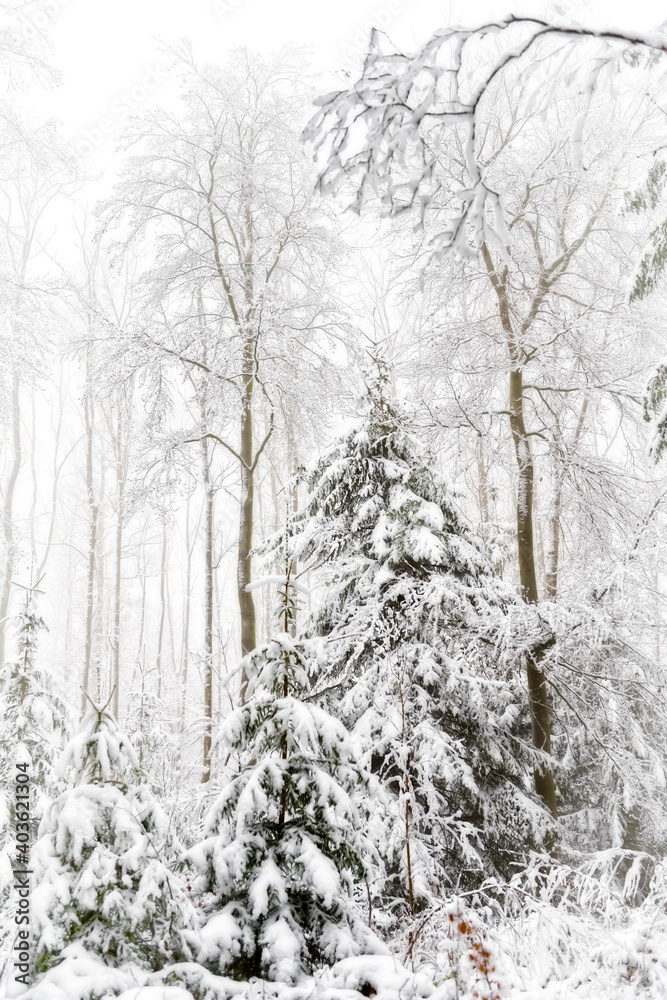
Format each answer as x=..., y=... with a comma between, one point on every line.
x=93, y=509
x=244, y=561
x=116, y=610
x=561, y=470
x=245, y=321
x=553, y=553
x=141, y=574
x=187, y=597
x=120, y=498
x=537, y=683
x=538, y=695
x=35, y=489
x=67, y=679
x=208, y=609
x=102, y=617
x=163, y=604
x=482, y=481
x=8, y=511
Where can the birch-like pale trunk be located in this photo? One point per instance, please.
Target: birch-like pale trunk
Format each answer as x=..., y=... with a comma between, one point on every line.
x=159, y=660
x=141, y=573
x=248, y=466
x=8, y=512
x=553, y=550
x=93, y=524
x=116, y=610
x=120, y=445
x=482, y=481
x=208, y=607
x=68, y=622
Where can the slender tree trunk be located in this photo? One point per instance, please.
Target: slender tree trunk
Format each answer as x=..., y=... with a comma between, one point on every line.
x=248, y=459
x=120, y=498
x=553, y=557
x=116, y=611
x=482, y=481
x=244, y=561
x=142, y=713
x=245, y=321
x=170, y=632
x=553, y=552
x=163, y=604
x=208, y=609
x=538, y=694
x=102, y=626
x=406, y=792
x=35, y=489
x=292, y=465
x=93, y=512
x=141, y=573
x=8, y=512
x=57, y=468
x=68, y=623
x=526, y=475
x=187, y=598
x=537, y=683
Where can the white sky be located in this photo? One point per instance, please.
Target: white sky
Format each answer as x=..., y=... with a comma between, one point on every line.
x=104, y=48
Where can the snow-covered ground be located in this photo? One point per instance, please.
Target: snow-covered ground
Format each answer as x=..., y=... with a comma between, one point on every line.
x=572, y=936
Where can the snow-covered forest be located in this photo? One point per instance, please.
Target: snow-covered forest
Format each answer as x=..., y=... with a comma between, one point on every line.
x=333, y=496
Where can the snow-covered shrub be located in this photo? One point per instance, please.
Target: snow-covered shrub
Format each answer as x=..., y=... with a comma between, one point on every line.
x=610, y=722
x=580, y=926
x=102, y=873
x=472, y=953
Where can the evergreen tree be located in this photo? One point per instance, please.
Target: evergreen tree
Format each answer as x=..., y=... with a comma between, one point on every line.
x=34, y=722
x=35, y=719
x=102, y=877
x=283, y=847
x=411, y=608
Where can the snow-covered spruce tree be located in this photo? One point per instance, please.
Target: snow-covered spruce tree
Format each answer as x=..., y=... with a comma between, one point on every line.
x=409, y=605
x=283, y=845
x=35, y=718
x=34, y=724
x=101, y=872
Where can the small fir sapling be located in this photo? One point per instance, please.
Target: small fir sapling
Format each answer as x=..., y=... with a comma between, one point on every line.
x=35, y=718
x=34, y=724
x=283, y=846
x=102, y=863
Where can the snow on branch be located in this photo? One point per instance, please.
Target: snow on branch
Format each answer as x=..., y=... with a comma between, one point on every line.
x=387, y=133
x=277, y=581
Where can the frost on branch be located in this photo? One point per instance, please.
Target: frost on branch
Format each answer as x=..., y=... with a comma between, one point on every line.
x=390, y=133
